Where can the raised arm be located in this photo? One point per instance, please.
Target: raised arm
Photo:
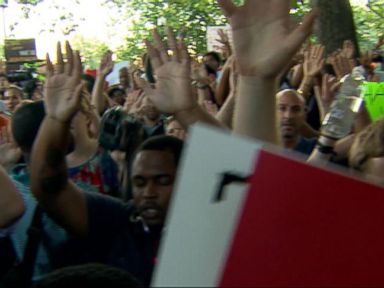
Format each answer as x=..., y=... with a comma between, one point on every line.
x=263, y=46
x=98, y=99
x=173, y=93
x=58, y=196
x=313, y=63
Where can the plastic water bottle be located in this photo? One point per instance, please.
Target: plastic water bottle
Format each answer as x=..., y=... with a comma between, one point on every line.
x=339, y=120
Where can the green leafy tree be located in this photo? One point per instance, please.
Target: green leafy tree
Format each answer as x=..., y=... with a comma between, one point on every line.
x=92, y=50
x=369, y=21
x=193, y=16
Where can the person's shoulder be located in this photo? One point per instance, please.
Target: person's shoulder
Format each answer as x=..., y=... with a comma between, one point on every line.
x=306, y=145
x=106, y=214
x=106, y=207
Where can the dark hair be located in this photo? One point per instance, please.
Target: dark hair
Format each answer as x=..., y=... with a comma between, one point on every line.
x=112, y=91
x=163, y=143
x=213, y=54
x=26, y=122
x=90, y=81
x=210, y=70
x=88, y=275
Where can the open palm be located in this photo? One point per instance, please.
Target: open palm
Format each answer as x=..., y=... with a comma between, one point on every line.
x=173, y=83
x=262, y=35
x=63, y=86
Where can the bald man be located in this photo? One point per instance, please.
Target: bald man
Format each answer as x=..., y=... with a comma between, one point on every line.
x=291, y=117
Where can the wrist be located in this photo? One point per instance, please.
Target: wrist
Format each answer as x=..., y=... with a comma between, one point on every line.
x=58, y=120
x=307, y=81
x=325, y=145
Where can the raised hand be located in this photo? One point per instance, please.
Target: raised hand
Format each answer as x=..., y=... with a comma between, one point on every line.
x=262, y=38
x=340, y=64
x=173, y=92
x=106, y=64
x=63, y=85
x=225, y=47
x=329, y=87
x=199, y=73
x=348, y=50
x=313, y=61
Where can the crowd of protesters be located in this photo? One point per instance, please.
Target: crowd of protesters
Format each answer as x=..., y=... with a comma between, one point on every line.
x=87, y=169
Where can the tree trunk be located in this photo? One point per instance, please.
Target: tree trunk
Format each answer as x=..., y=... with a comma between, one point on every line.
x=335, y=24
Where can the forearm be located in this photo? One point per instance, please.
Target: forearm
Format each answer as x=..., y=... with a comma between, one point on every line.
x=98, y=100
x=363, y=119
x=56, y=194
x=323, y=107
x=256, y=94
x=203, y=94
x=226, y=113
x=306, y=86
x=11, y=201
x=48, y=166
x=196, y=114
x=343, y=146
x=223, y=87
x=297, y=76
x=323, y=152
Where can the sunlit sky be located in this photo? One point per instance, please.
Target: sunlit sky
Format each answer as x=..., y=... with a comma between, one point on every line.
x=94, y=26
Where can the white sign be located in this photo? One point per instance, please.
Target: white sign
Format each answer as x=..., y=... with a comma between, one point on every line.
x=113, y=77
x=195, y=219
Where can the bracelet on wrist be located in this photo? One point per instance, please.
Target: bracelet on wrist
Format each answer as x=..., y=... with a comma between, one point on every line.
x=324, y=149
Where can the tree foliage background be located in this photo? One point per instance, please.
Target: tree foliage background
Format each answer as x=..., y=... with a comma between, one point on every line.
x=193, y=16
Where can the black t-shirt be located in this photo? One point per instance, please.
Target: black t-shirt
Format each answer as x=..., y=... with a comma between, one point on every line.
x=115, y=239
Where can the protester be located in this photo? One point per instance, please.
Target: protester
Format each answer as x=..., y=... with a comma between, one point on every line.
x=66, y=158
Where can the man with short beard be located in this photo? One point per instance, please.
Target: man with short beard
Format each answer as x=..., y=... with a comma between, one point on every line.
x=290, y=119
x=153, y=121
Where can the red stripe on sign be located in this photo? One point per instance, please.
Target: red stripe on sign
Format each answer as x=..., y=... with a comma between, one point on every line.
x=307, y=227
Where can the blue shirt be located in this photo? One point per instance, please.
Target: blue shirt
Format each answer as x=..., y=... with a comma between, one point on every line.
x=306, y=146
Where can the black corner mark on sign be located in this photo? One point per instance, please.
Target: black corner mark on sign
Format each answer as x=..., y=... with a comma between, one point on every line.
x=227, y=178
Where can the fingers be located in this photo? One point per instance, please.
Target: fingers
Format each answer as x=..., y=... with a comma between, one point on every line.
x=148, y=90
x=49, y=67
x=153, y=55
x=298, y=36
x=77, y=69
x=60, y=60
x=69, y=64
x=72, y=67
x=183, y=50
x=173, y=44
x=228, y=7
x=160, y=46
x=158, y=53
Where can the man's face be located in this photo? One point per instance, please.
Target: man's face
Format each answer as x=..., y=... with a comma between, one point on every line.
x=150, y=110
x=12, y=98
x=153, y=175
x=290, y=114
